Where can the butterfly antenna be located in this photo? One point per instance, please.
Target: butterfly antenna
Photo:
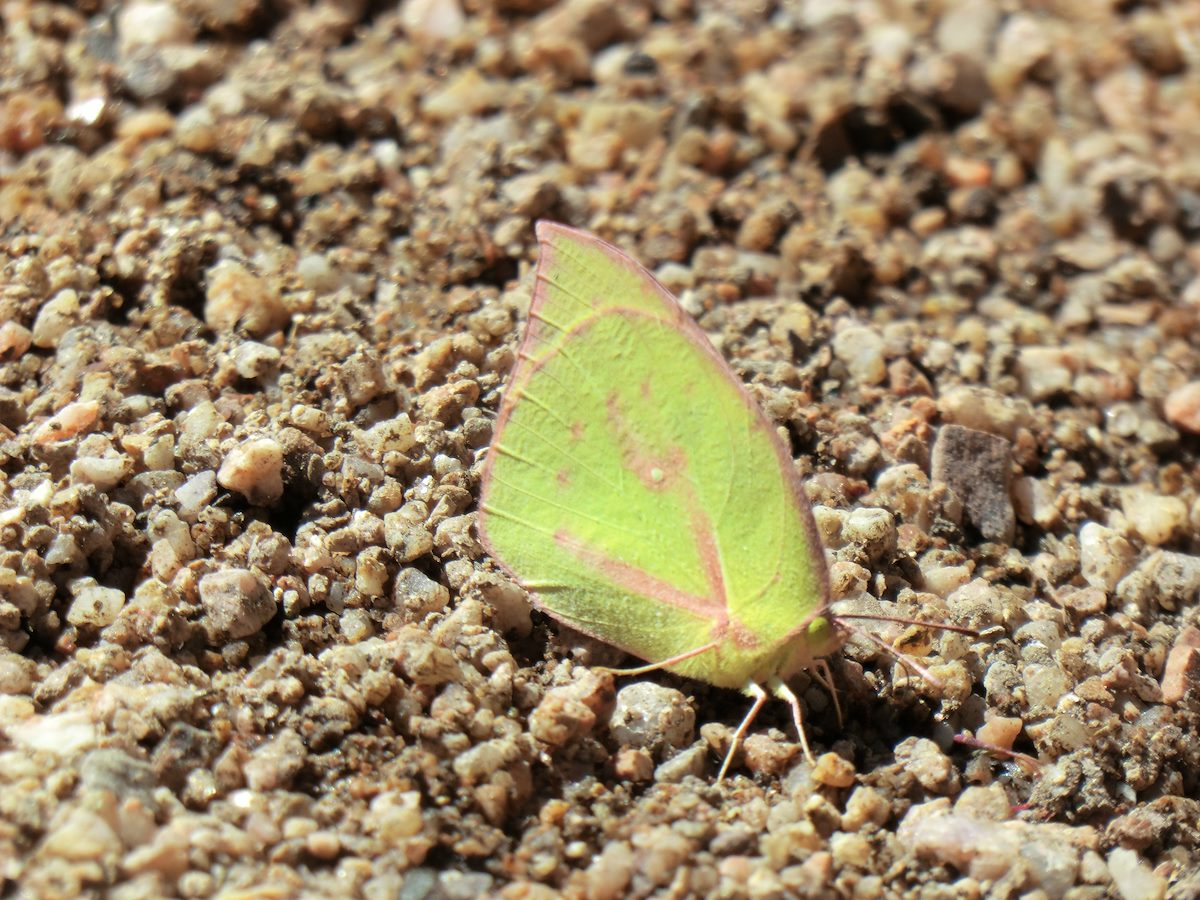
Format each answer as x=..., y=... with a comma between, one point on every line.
x=760, y=697
x=901, y=620
x=968, y=740
x=903, y=658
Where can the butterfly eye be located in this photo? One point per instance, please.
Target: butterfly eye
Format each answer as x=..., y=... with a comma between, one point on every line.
x=819, y=631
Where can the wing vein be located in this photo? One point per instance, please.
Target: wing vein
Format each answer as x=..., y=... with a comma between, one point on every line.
x=556, y=446
x=562, y=507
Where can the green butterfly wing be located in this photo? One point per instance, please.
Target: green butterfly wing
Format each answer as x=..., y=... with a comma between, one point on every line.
x=634, y=487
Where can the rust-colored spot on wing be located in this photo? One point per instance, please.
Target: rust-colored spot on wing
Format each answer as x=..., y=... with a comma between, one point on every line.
x=742, y=636
x=710, y=553
x=656, y=471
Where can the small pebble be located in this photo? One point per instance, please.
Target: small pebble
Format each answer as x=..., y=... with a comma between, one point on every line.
x=196, y=493
x=254, y=360
x=1105, y=557
x=874, y=530
x=433, y=20
x=1182, y=670
x=254, y=468
x=985, y=410
x=833, y=770
x=609, y=874
x=325, y=845
x=236, y=298
x=1153, y=517
x=1164, y=577
x=417, y=595
x=569, y=712
x=1044, y=372
x=633, y=764
x=652, y=717
x=82, y=835
x=866, y=805
x=861, y=349
x=691, y=761
x=1000, y=731
x=15, y=339
x=94, y=606
x=275, y=763
x=56, y=316
x=1133, y=878
x=105, y=472
x=1182, y=407
x=1035, y=502
x=236, y=604
x=152, y=22
x=356, y=625
x=926, y=762
x=765, y=756
x=978, y=467
x=851, y=850
x=982, y=849
x=71, y=420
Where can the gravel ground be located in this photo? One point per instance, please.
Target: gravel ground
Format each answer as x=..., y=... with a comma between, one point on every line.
x=265, y=265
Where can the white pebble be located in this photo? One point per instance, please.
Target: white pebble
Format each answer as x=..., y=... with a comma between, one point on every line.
x=67, y=422
x=944, y=580
x=873, y=529
x=1035, y=502
x=861, y=349
x=196, y=493
x=254, y=469
x=984, y=850
x=56, y=316
x=160, y=456
x=391, y=435
x=254, y=360
x=105, y=472
x=652, y=716
x=356, y=625
x=94, y=606
x=152, y=22
x=1153, y=517
x=1104, y=556
x=1133, y=878
x=1044, y=372
x=433, y=20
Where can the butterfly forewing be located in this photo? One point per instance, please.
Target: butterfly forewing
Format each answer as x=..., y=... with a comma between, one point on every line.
x=635, y=488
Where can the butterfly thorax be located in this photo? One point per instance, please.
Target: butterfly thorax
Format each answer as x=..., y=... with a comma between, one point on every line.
x=739, y=662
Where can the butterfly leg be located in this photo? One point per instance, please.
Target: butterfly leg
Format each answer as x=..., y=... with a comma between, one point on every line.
x=788, y=696
x=825, y=679
x=760, y=697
